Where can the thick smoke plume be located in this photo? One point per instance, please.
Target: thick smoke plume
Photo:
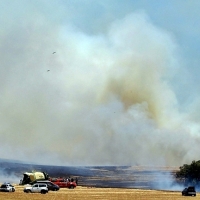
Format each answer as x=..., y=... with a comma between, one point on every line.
x=102, y=99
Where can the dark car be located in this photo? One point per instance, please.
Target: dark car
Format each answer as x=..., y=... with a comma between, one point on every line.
x=50, y=185
x=189, y=191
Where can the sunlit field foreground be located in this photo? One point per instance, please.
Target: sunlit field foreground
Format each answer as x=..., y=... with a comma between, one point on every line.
x=81, y=193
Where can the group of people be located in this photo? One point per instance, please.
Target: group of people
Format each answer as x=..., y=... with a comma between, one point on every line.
x=69, y=179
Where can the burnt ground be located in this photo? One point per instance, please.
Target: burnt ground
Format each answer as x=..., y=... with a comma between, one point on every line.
x=100, y=176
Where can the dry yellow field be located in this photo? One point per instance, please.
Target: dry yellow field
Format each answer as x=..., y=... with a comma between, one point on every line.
x=84, y=193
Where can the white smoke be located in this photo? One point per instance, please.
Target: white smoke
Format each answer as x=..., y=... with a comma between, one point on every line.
x=108, y=98
x=8, y=178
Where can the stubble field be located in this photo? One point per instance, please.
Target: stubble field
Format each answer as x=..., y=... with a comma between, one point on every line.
x=92, y=193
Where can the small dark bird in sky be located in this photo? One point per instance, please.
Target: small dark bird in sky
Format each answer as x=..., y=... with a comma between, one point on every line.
x=48, y=70
x=54, y=52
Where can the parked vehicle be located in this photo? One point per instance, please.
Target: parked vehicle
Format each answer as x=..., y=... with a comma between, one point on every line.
x=50, y=185
x=7, y=187
x=37, y=188
x=62, y=183
x=33, y=176
x=190, y=191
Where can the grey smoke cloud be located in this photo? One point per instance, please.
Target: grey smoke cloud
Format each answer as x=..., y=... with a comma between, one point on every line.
x=108, y=98
x=8, y=178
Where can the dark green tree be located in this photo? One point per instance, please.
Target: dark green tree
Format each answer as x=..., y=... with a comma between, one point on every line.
x=189, y=174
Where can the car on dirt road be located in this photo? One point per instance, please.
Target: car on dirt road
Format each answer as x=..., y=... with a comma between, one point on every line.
x=51, y=186
x=7, y=187
x=37, y=188
x=189, y=191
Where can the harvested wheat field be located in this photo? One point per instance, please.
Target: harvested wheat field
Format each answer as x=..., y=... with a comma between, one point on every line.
x=83, y=193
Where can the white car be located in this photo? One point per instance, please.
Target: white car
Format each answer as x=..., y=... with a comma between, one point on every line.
x=37, y=188
x=7, y=187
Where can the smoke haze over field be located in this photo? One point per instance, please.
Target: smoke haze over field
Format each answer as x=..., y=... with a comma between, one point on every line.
x=116, y=92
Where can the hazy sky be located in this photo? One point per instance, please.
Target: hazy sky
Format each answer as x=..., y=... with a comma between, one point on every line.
x=122, y=88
